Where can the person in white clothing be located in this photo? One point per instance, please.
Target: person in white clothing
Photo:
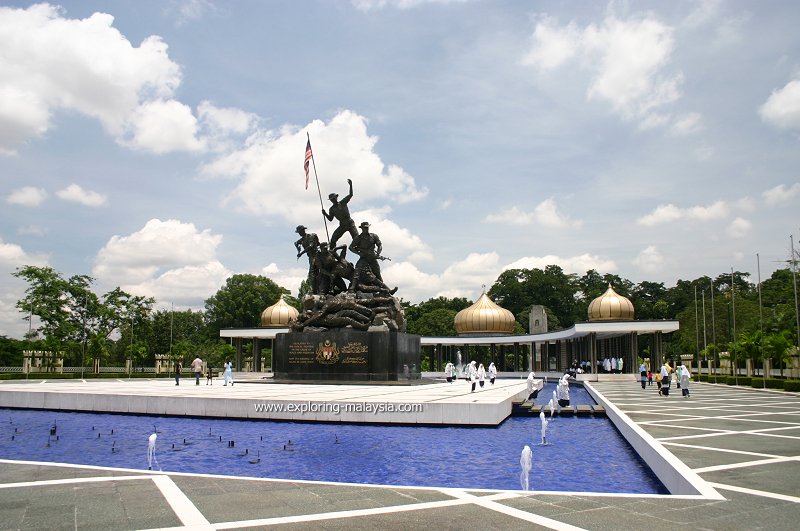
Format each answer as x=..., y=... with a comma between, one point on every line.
x=228, y=374
x=449, y=370
x=686, y=377
x=472, y=374
x=481, y=375
x=492, y=373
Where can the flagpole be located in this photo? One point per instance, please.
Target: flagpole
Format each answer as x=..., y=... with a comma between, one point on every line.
x=316, y=178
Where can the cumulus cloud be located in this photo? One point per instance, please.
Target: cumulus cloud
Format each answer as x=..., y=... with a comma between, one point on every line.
x=51, y=62
x=575, y=264
x=163, y=126
x=650, y=261
x=739, y=228
x=626, y=58
x=463, y=278
x=782, y=108
x=169, y=260
x=28, y=196
x=782, y=194
x=668, y=213
x=545, y=213
x=272, y=181
x=76, y=194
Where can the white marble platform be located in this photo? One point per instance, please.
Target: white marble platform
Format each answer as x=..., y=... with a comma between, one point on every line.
x=438, y=403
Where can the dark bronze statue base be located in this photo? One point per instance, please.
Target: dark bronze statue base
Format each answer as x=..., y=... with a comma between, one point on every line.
x=349, y=355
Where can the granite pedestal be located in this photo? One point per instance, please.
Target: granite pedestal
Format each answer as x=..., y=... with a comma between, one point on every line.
x=347, y=355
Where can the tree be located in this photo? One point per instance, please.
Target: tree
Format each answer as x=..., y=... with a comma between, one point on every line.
x=239, y=303
x=71, y=314
x=517, y=290
x=436, y=323
x=415, y=313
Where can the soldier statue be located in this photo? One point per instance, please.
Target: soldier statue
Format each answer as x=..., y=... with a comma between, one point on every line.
x=341, y=212
x=368, y=247
x=308, y=244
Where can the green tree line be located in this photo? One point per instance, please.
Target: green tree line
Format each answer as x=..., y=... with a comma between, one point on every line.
x=719, y=316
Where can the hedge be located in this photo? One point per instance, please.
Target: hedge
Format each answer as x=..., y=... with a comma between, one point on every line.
x=77, y=375
x=773, y=383
x=744, y=380
x=792, y=385
x=730, y=380
x=757, y=382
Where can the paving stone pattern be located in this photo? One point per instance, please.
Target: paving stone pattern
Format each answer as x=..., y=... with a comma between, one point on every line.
x=745, y=442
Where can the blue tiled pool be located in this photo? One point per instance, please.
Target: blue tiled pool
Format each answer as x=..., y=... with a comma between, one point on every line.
x=585, y=454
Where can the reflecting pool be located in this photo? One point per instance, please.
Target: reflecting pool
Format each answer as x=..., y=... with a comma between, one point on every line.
x=584, y=453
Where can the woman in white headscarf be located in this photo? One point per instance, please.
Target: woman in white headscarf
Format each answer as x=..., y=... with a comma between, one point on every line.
x=449, y=369
x=492, y=373
x=472, y=374
x=481, y=374
x=532, y=394
x=563, y=391
x=686, y=376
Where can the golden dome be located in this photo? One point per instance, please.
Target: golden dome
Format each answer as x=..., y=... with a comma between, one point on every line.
x=611, y=306
x=279, y=314
x=484, y=317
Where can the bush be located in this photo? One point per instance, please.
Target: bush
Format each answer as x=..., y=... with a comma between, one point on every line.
x=757, y=382
x=702, y=377
x=773, y=383
x=745, y=380
x=792, y=385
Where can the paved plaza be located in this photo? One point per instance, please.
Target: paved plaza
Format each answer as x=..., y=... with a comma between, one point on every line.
x=745, y=443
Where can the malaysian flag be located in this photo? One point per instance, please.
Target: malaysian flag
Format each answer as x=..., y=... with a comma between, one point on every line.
x=308, y=160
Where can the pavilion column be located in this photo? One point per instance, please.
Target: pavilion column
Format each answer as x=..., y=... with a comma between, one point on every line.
x=238, y=353
x=592, y=351
x=634, y=350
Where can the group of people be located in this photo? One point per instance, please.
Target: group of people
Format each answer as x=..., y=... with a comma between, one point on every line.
x=664, y=376
x=476, y=373
x=611, y=365
x=328, y=267
x=197, y=368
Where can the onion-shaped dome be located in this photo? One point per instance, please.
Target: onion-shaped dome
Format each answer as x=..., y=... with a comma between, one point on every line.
x=484, y=318
x=611, y=306
x=279, y=314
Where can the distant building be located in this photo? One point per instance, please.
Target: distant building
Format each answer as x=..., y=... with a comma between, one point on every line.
x=537, y=320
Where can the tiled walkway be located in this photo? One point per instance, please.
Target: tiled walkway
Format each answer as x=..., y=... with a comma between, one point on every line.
x=746, y=442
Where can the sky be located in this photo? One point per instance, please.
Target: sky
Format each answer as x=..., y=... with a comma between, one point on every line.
x=158, y=146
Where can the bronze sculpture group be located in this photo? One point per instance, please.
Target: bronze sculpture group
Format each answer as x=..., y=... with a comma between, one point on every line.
x=343, y=294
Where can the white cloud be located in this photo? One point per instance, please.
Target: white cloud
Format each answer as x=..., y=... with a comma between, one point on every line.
x=53, y=63
x=169, y=260
x=739, y=228
x=576, y=264
x=782, y=194
x=13, y=256
x=76, y=194
x=545, y=213
x=552, y=46
x=163, y=126
x=28, y=196
x=627, y=59
x=782, y=108
x=668, y=213
x=650, y=261
x=272, y=181
x=686, y=124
